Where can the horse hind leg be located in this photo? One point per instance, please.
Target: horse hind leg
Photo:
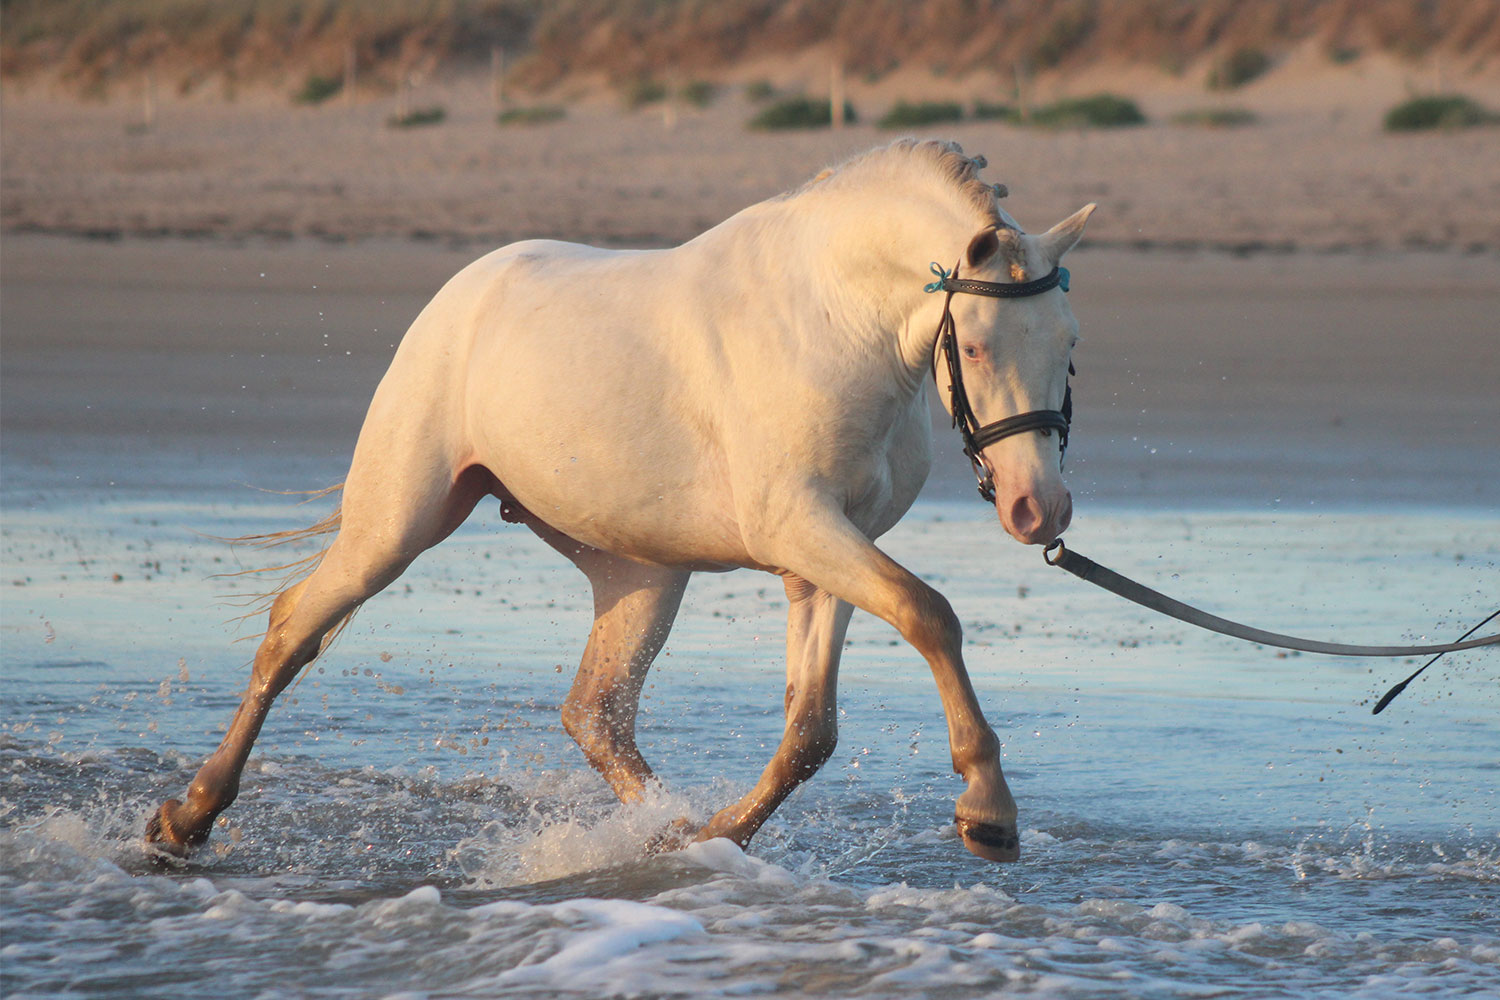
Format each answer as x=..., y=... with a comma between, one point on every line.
x=375, y=544
x=634, y=607
x=816, y=624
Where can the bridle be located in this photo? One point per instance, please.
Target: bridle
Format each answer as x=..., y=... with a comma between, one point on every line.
x=979, y=436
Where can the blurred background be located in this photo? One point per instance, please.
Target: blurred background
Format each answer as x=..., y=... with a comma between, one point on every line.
x=1288, y=292
x=1269, y=125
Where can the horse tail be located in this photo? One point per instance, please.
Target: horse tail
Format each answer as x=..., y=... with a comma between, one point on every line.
x=294, y=571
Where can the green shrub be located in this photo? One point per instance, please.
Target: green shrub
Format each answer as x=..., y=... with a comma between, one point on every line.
x=799, y=112
x=1237, y=69
x=1215, y=117
x=1098, y=111
x=759, y=91
x=317, y=89
x=905, y=115
x=539, y=114
x=416, y=117
x=640, y=92
x=1446, y=111
x=985, y=111
x=698, y=93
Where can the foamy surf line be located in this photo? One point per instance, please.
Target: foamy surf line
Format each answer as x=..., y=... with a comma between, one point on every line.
x=740, y=925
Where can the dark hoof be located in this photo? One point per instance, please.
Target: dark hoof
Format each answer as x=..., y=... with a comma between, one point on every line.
x=993, y=843
x=163, y=836
x=678, y=834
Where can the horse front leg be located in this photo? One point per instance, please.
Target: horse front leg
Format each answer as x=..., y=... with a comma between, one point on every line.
x=823, y=547
x=816, y=623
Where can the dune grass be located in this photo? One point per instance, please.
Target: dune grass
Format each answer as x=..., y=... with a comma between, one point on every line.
x=987, y=111
x=698, y=93
x=759, y=91
x=1216, y=117
x=1238, y=68
x=1437, y=111
x=1096, y=111
x=643, y=91
x=417, y=117
x=536, y=114
x=547, y=41
x=799, y=112
x=906, y=114
x=317, y=89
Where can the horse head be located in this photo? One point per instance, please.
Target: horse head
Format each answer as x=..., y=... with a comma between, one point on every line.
x=1009, y=345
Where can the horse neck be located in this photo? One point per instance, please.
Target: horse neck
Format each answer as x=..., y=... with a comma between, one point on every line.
x=869, y=269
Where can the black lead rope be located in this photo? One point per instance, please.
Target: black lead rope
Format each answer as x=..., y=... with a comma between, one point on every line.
x=1391, y=694
x=1058, y=554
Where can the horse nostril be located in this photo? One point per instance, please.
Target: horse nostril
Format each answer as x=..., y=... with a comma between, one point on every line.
x=1026, y=516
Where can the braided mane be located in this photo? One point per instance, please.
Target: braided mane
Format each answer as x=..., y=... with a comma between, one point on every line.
x=944, y=161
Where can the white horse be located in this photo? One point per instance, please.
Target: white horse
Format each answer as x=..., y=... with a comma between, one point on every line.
x=753, y=398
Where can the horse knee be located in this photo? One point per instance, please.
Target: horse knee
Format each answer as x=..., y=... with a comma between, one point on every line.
x=929, y=622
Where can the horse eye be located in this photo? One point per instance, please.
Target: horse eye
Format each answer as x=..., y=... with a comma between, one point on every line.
x=971, y=351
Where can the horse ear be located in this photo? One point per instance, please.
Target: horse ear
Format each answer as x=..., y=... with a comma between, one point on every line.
x=982, y=247
x=1065, y=235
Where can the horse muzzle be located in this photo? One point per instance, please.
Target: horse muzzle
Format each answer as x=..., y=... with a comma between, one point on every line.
x=1034, y=517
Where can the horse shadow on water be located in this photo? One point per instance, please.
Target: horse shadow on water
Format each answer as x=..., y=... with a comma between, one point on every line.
x=751, y=399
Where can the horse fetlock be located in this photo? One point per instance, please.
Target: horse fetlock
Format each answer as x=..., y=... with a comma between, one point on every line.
x=177, y=829
x=673, y=837
x=977, y=757
x=597, y=731
x=810, y=751
x=211, y=794
x=729, y=825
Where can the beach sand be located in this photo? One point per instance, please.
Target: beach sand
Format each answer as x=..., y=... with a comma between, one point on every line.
x=1315, y=172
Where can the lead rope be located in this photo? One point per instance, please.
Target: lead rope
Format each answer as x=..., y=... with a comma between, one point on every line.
x=1086, y=569
x=1390, y=695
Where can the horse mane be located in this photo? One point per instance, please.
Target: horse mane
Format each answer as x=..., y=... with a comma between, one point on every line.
x=941, y=161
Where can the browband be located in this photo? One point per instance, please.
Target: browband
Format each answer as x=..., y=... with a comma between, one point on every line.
x=1018, y=290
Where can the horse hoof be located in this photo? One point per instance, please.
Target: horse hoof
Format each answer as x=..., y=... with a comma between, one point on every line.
x=163, y=836
x=677, y=835
x=993, y=843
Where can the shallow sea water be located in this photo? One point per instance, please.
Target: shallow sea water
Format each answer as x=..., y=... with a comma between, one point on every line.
x=1200, y=817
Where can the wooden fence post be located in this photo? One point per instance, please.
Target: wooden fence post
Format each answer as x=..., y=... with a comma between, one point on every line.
x=497, y=79
x=351, y=68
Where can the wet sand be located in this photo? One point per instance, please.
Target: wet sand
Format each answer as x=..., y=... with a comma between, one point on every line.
x=1288, y=380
